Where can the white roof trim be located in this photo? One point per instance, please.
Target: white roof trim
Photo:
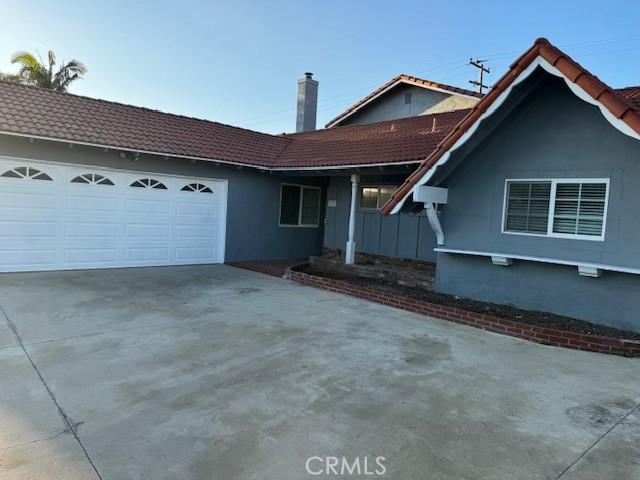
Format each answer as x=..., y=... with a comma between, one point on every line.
x=393, y=85
x=555, y=261
x=538, y=62
x=347, y=115
x=342, y=167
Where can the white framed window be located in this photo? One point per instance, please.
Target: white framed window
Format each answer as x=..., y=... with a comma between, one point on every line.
x=560, y=208
x=299, y=205
x=375, y=196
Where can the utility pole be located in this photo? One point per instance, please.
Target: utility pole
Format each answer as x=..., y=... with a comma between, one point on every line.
x=479, y=64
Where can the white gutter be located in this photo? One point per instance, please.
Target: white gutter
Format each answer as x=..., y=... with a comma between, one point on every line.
x=342, y=167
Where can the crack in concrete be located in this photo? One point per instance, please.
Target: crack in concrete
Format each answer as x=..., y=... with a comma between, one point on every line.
x=150, y=326
x=594, y=444
x=31, y=442
x=61, y=412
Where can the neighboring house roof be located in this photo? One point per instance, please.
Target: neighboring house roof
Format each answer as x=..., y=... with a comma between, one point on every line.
x=394, y=141
x=38, y=113
x=402, y=79
x=620, y=107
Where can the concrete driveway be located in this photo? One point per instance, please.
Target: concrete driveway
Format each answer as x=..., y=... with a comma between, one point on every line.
x=218, y=373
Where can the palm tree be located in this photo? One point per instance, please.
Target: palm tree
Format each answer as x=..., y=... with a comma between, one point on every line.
x=34, y=72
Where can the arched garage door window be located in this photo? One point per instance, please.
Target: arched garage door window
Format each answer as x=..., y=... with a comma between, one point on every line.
x=196, y=187
x=149, y=183
x=92, y=179
x=26, y=172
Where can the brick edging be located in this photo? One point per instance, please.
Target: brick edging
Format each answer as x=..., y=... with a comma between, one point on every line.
x=533, y=333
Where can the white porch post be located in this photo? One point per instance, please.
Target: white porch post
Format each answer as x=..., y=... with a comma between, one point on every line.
x=350, y=254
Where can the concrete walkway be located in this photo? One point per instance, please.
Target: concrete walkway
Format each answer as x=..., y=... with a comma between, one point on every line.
x=214, y=372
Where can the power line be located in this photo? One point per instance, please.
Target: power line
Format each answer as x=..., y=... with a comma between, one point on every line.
x=479, y=64
x=449, y=66
x=574, y=46
x=249, y=121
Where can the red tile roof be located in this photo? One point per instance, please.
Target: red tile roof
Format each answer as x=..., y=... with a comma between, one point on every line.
x=631, y=94
x=42, y=113
x=623, y=104
x=34, y=112
x=393, y=141
x=401, y=79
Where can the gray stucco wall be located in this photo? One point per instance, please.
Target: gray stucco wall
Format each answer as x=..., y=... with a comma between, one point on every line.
x=609, y=300
x=253, y=204
x=404, y=235
x=551, y=134
x=392, y=105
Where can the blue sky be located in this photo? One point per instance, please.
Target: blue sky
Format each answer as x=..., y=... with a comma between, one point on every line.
x=237, y=62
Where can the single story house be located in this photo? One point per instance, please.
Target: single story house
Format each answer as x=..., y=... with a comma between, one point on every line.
x=538, y=194
x=86, y=183
x=523, y=195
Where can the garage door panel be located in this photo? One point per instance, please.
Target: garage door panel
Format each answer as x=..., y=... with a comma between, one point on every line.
x=61, y=224
x=196, y=254
x=150, y=254
x=32, y=259
x=147, y=231
x=148, y=207
x=91, y=230
x=30, y=229
x=26, y=201
x=196, y=209
x=195, y=231
x=91, y=255
x=84, y=203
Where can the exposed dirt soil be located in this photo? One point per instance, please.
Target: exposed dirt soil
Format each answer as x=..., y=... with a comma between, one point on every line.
x=542, y=319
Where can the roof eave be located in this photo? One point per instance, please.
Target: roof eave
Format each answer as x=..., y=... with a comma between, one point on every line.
x=587, y=87
x=267, y=168
x=137, y=150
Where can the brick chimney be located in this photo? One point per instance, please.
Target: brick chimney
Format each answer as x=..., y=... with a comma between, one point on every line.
x=307, y=103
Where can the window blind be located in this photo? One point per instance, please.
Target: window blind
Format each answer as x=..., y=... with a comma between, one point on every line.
x=579, y=208
x=528, y=207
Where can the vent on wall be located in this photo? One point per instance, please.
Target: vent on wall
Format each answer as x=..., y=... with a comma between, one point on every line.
x=407, y=98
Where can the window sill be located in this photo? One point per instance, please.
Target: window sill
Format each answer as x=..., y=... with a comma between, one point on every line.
x=564, y=236
x=555, y=261
x=299, y=226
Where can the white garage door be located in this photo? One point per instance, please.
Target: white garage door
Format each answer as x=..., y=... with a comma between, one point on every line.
x=60, y=217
